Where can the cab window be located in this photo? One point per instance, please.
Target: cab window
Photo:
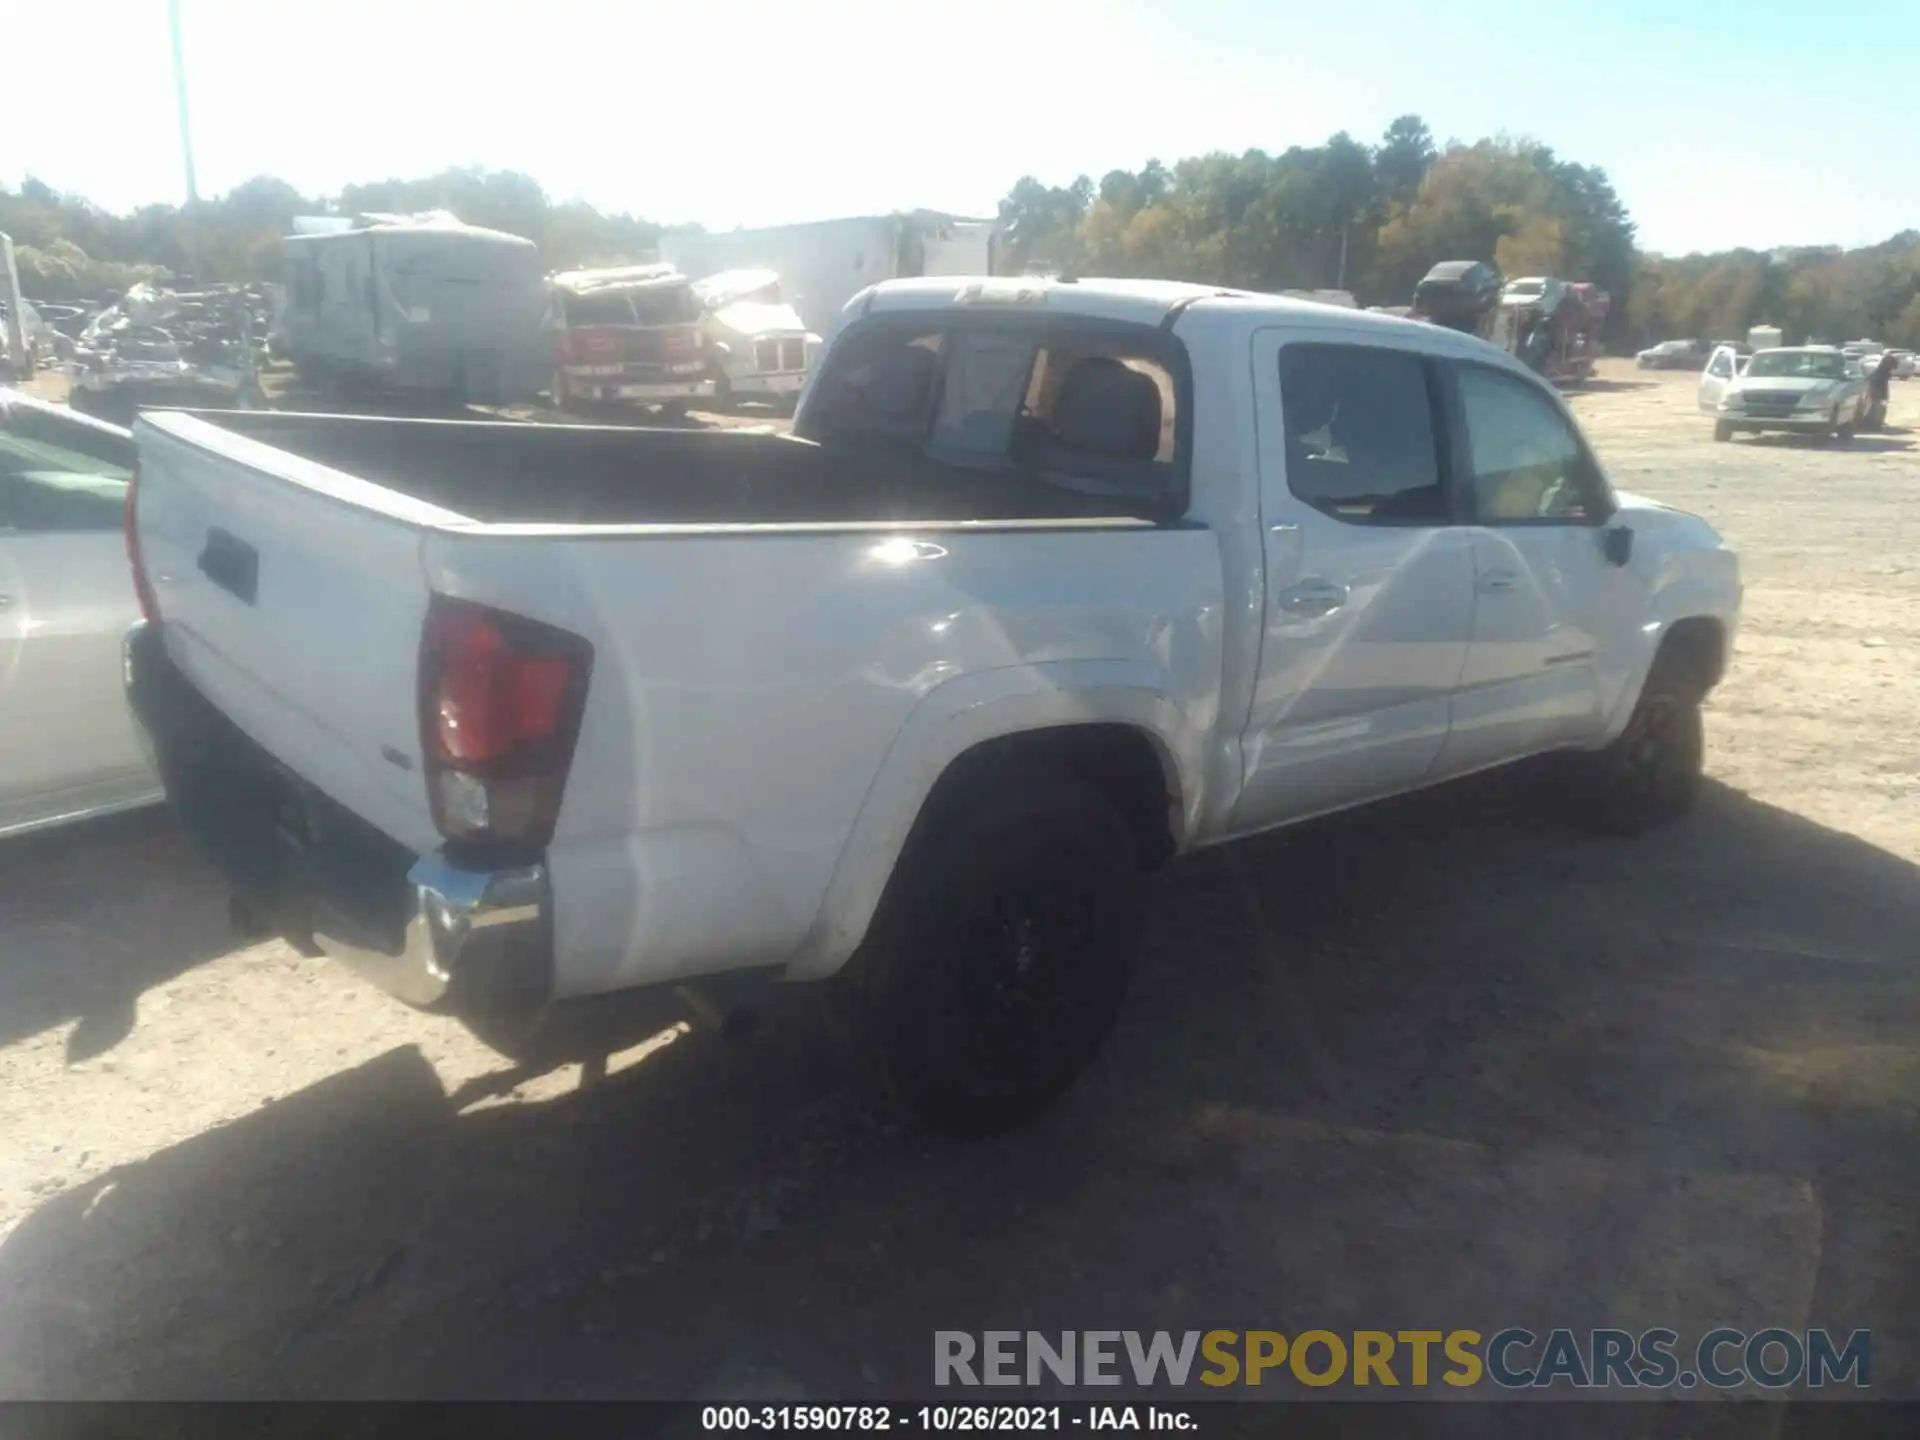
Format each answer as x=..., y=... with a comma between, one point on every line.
x=1360, y=434
x=1524, y=461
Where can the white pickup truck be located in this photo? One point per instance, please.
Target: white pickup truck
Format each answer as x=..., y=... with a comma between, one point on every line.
x=1054, y=581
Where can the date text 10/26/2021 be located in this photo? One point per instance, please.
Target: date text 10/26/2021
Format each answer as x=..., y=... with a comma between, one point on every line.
x=944, y=1419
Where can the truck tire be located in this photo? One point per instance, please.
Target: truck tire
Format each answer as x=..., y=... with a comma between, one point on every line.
x=1722, y=430
x=998, y=968
x=1650, y=774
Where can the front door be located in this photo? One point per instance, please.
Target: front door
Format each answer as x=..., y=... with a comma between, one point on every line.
x=1551, y=612
x=1369, y=584
x=1722, y=366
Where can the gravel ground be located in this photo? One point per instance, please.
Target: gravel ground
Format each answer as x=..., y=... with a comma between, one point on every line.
x=1444, y=1065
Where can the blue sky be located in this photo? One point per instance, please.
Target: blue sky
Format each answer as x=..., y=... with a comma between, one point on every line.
x=1764, y=122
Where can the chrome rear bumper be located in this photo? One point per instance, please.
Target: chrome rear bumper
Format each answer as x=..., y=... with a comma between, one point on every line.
x=418, y=926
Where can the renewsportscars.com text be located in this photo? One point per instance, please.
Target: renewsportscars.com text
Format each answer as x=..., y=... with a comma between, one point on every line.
x=1510, y=1359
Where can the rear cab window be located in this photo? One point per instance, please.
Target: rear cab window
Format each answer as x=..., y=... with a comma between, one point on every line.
x=1069, y=407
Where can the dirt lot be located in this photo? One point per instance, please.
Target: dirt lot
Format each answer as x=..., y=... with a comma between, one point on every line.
x=1448, y=1066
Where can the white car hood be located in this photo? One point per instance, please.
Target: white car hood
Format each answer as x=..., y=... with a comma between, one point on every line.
x=751, y=317
x=1796, y=384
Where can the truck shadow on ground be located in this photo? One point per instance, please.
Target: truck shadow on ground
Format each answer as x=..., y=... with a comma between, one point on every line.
x=1443, y=1064
x=1882, y=441
x=1606, y=386
x=78, y=948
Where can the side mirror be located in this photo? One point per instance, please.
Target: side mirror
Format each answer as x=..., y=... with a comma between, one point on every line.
x=1617, y=544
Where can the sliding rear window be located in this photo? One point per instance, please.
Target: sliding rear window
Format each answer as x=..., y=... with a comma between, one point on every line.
x=1095, y=409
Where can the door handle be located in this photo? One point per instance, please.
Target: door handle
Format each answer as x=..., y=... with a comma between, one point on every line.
x=1494, y=582
x=1313, y=597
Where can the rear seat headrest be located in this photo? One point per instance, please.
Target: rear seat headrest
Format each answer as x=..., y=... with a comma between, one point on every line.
x=1109, y=409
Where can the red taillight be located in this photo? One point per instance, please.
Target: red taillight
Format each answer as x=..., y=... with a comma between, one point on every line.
x=500, y=705
x=130, y=520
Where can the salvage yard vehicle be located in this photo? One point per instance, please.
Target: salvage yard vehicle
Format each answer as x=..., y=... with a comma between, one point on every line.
x=757, y=347
x=1460, y=294
x=160, y=347
x=68, y=745
x=1552, y=326
x=415, y=305
x=824, y=263
x=628, y=334
x=1673, y=355
x=1809, y=390
x=1054, y=580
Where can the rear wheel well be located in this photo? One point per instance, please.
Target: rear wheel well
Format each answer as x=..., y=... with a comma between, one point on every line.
x=1700, y=643
x=1119, y=762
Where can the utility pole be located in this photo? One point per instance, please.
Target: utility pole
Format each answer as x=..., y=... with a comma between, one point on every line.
x=186, y=138
x=15, y=339
x=1346, y=225
x=180, y=98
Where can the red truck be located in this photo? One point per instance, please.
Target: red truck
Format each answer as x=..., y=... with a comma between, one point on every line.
x=629, y=334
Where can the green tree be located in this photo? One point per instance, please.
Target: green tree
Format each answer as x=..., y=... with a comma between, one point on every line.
x=1405, y=155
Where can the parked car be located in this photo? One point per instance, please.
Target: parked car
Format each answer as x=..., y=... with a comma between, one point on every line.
x=1673, y=355
x=68, y=745
x=1906, y=364
x=1808, y=390
x=67, y=320
x=1052, y=582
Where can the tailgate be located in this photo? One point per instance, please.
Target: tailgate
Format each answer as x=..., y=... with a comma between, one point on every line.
x=292, y=596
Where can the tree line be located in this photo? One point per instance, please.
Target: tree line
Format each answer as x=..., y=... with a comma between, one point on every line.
x=68, y=248
x=1368, y=218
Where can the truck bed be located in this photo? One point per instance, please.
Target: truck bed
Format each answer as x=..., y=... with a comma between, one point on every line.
x=507, y=473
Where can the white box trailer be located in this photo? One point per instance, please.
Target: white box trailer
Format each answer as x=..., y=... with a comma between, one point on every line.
x=1766, y=337
x=824, y=263
x=416, y=304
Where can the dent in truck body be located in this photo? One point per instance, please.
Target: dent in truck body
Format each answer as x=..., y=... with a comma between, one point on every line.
x=958, y=718
x=738, y=746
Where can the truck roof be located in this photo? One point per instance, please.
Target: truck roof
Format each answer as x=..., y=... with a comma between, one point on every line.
x=1142, y=302
x=618, y=279
x=445, y=229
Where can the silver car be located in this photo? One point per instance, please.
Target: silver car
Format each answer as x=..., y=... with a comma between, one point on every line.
x=68, y=747
x=1807, y=389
